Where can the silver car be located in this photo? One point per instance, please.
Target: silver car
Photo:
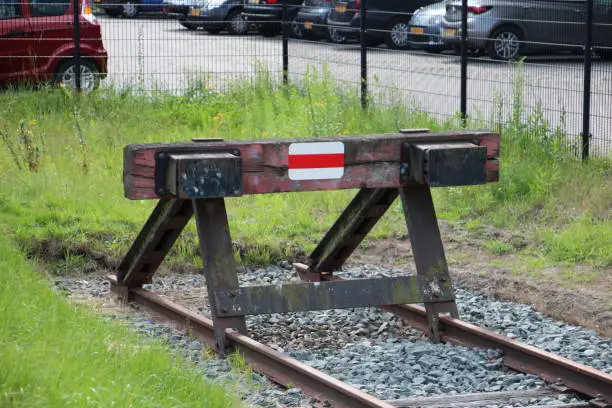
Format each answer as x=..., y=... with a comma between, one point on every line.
x=425, y=27
x=507, y=29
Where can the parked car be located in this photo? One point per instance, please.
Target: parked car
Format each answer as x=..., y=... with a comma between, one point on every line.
x=179, y=9
x=387, y=20
x=129, y=8
x=218, y=15
x=36, y=43
x=507, y=29
x=312, y=18
x=267, y=15
x=425, y=28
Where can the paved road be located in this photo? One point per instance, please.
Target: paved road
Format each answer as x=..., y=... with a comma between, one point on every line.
x=161, y=53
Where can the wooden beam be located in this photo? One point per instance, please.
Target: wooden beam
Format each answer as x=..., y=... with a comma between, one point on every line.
x=370, y=161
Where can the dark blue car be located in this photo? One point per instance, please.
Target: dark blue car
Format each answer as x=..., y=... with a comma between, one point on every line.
x=129, y=8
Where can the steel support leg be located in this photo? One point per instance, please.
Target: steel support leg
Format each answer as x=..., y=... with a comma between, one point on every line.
x=359, y=217
x=154, y=241
x=219, y=266
x=427, y=248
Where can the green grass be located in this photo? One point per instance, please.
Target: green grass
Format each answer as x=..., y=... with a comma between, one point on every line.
x=58, y=354
x=62, y=192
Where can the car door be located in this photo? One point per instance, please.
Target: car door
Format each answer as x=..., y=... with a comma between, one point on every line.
x=14, y=46
x=602, y=23
x=549, y=23
x=51, y=23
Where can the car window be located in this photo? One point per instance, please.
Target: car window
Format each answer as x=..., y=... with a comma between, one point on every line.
x=9, y=9
x=48, y=8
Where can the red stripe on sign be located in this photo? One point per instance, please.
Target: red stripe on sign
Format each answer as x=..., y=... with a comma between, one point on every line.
x=316, y=161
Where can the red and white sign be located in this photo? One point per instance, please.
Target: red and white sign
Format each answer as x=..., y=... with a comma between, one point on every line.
x=316, y=160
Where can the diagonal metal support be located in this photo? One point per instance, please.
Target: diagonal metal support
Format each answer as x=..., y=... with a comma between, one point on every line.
x=154, y=241
x=359, y=217
x=428, y=249
x=219, y=265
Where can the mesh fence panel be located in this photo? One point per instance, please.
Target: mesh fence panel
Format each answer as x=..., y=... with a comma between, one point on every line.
x=413, y=52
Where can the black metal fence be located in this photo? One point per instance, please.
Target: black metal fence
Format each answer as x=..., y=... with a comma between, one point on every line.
x=545, y=62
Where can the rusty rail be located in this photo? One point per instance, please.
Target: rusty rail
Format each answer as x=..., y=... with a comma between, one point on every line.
x=281, y=369
x=518, y=356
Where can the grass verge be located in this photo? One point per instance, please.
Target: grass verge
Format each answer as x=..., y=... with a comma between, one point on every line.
x=58, y=354
x=62, y=196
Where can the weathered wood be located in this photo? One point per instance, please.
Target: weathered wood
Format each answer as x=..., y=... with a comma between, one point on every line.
x=355, y=222
x=427, y=248
x=370, y=161
x=154, y=242
x=218, y=259
x=299, y=297
x=472, y=399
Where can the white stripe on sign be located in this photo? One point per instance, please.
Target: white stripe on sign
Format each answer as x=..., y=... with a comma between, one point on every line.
x=316, y=148
x=316, y=161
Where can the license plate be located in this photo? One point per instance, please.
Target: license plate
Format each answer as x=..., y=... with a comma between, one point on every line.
x=340, y=9
x=308, y=25
x=417, y=30
x=450, y=32
x=195, y=12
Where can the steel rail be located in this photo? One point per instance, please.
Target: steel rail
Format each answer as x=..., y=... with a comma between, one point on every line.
x=281, y=369
x=519, y=356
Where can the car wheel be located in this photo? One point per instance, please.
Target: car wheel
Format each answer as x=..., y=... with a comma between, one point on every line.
x=335, y=36
x=296, y=28
x=236, y=23
x=114, y=12
x=188, y=26
x=90, y=78
x=268, y=30
x=398, y=35
x=505, y=43
x=130, y=9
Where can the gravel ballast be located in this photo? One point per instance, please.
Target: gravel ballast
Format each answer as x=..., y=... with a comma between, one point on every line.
x=374, y=351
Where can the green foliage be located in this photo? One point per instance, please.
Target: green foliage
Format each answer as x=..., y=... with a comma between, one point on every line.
x=76, y=197
x=58, y=354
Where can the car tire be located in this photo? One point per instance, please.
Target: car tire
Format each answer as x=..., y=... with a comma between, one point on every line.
x=295, y=27
x=398, y=35
x=90, y=78
x=505, y=43
x=236, y=23
x=130, y=9
x=335, y=36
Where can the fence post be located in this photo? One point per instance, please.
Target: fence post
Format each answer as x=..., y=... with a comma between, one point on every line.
x=464, y=12
x=586, y=106
x=285, y=44
x=76, y=34
x=363, y=38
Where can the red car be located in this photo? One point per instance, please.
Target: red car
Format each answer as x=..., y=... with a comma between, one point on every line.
x=36, y=43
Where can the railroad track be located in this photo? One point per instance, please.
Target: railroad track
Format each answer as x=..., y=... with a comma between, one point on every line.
x=562, y=374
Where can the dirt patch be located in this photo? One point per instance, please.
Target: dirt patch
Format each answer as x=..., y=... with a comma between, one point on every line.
x=587, y=303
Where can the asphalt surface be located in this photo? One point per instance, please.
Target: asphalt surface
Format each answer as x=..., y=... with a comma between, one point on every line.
x=159, y=53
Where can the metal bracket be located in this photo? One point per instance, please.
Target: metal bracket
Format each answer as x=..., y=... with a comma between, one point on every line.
x=164, y=159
